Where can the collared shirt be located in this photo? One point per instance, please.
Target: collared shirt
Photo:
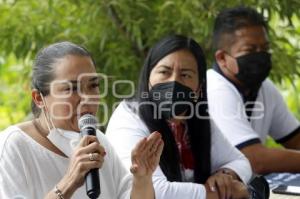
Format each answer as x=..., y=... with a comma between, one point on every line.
x=270, y=115
x=248, y=99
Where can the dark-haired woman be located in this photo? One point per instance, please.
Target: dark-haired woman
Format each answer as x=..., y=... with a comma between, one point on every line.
x=47, y=157
x=197, y=161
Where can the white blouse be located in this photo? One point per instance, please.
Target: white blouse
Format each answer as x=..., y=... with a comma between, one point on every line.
x=30, y=171
x=125, y=129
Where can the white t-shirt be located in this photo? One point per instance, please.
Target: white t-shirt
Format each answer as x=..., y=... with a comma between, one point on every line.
x=125, y=129
x=270, y=115
x=30, y=171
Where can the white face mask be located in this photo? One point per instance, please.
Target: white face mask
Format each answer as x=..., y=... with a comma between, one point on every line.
x=64, y=140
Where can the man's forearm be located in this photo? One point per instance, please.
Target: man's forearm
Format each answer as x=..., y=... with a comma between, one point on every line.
x=294, y=142
x=267, y=160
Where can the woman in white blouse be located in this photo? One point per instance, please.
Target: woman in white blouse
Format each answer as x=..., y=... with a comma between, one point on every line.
x=47, y=158
x=197, y=161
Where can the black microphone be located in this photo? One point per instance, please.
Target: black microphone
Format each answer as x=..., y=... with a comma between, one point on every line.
x=87, y=125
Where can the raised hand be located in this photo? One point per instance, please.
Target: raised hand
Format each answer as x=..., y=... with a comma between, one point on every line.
x=146, y=155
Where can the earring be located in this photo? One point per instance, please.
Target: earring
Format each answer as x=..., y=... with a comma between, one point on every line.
x=201, y=94
x=195, y=97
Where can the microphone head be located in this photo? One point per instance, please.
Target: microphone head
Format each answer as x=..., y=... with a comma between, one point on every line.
x=87, y=120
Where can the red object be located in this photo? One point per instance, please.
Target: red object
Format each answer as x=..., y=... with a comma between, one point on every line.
x=179, y=131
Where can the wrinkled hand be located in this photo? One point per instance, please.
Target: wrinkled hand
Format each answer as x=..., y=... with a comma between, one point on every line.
x=226, y=186
x=146, y=155
x=80, y=162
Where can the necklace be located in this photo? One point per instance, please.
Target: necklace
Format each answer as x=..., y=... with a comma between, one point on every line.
x=44, y=133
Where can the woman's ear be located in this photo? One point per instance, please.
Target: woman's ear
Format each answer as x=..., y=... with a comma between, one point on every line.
x=37, y=98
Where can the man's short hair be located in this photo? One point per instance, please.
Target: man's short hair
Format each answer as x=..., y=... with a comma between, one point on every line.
x=232, y=19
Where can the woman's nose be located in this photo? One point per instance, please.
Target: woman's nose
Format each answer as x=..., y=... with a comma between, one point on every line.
x=88, y=96
x=175, y=77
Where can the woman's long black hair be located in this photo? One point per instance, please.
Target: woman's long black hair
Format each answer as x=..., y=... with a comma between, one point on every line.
x=198, y=129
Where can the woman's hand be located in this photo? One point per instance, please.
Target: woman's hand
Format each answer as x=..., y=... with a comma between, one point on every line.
x=81, y=163
x=145, y=158
x=226, y=186
x=146, y=155
x=240, y=190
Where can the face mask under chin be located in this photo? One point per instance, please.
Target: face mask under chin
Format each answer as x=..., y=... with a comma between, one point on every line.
x=64, y=140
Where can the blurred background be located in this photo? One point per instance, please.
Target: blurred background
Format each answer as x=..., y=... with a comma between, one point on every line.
x=119, y=33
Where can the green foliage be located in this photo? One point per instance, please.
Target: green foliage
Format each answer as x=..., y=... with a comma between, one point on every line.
x=119, y=34
x=272, y=144
x=293, y=100
x=15, y=90
x=289, y=90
